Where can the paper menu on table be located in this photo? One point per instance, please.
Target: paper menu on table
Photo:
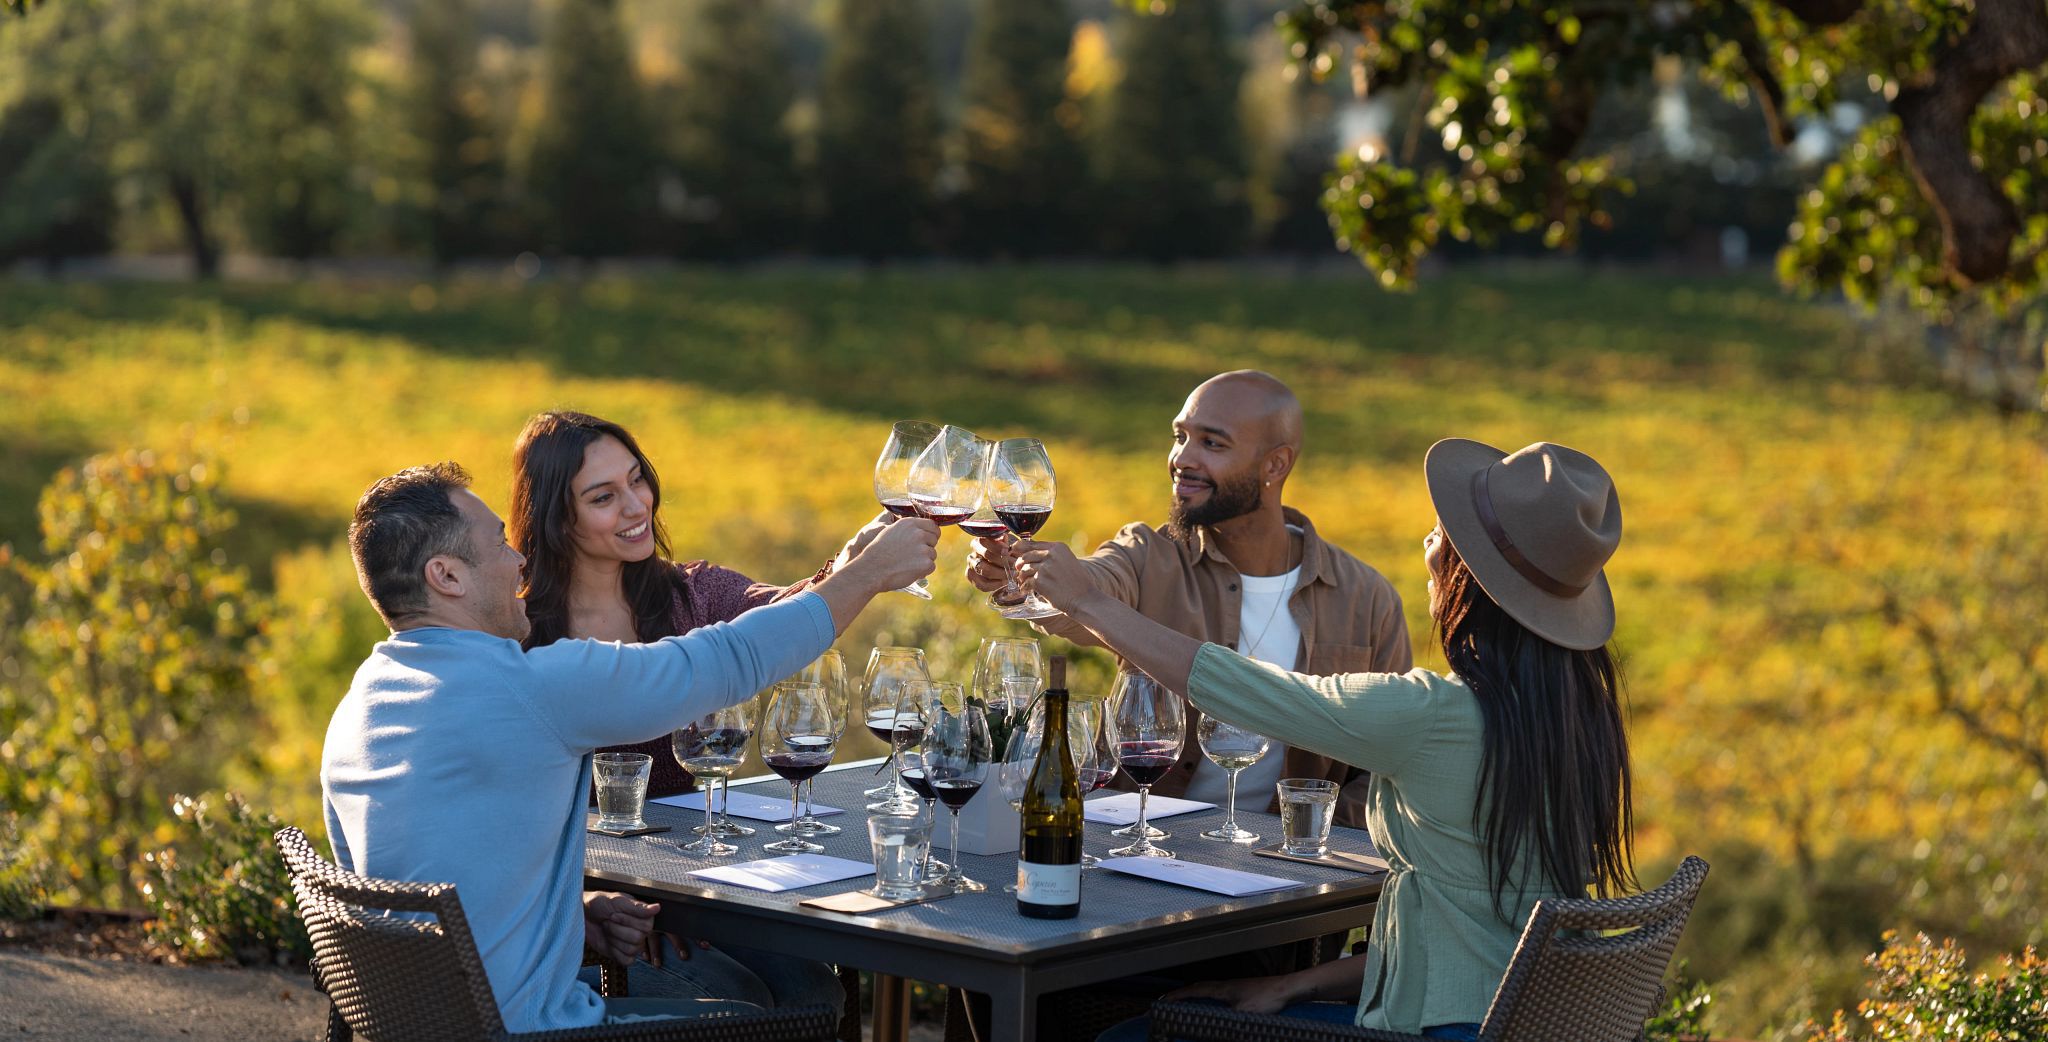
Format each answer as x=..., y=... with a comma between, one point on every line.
x=788, y=873
x=1122, y=808
x=744, y=804
x=1226, y=881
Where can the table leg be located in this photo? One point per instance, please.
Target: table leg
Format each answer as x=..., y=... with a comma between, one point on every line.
x=1015, y=1014
x=892, y=1009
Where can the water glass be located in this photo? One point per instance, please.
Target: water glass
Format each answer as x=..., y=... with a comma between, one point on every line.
x=1307, y=806
x=901, y=843
x=622, y=789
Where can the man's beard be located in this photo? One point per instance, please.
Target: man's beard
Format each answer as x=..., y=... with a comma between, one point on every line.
x=1230, y=497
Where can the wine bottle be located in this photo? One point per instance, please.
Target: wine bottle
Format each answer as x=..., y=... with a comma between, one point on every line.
x=1049, y=849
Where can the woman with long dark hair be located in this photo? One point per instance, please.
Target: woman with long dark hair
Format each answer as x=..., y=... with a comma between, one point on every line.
x=1496, y=785
x=586, y=514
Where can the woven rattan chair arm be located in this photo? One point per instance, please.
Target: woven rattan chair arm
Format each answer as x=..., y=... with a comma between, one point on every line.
x=808, y=1024
x=1198, y=1022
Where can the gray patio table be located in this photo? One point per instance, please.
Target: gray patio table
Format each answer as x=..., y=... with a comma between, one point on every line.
x=978, y=941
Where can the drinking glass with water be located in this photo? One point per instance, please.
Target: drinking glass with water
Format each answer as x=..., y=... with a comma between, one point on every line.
x=1307, y=807
x=621, y=789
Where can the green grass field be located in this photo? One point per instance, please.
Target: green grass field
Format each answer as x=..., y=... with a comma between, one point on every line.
x=1774, y=479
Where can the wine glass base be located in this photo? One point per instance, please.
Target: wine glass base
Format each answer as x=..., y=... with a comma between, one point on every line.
x=919, y=589
x=962, y=885
x=1131, y=832
x=1234, y=836
x=731, y=829
x=1089, y=860
x=793, y=846
x=1141, y=850
x=807, y=827
x=1030, y=608
x=895, y=807
x=708, y=847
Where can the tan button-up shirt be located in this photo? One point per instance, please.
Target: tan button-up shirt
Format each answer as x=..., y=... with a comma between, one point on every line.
x=1349, y=616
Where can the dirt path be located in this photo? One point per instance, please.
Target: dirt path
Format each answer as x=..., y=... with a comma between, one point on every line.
x=45, y=996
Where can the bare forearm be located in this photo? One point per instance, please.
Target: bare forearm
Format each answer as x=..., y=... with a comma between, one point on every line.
x=1335, y=981
x=1165, y=655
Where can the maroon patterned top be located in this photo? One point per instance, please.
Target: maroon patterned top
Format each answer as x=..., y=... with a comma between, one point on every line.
x=704, y=593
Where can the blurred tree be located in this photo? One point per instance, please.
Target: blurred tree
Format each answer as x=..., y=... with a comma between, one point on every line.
x=136, y=635
x=732, y=140
x=56, y=197
x=877, y=134
x=1940, y=199
x=1026, y=179
x=294, y=156
x=450, y=115
x=1175, y=161
x=594, y=160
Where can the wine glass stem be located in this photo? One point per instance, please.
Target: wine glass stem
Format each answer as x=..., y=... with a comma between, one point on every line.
x=796, y=789
x=1144, y=841
x=809, y=784
x=1230, y=800
x=925, y=869
x=710, y=832
x=955, y=851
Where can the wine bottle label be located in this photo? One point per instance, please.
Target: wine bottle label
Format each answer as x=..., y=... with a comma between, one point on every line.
x=1048, y=884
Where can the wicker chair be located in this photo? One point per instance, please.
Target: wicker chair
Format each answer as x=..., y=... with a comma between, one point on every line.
x=417, y=977
x=1569, y=980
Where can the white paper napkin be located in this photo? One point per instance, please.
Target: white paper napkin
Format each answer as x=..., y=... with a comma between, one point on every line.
x=788, y=873
x=1122, y=808
x=744, y=804
x=1226, y=881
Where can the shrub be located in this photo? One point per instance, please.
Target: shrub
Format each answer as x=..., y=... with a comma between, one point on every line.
x=21, y=877
x=224, y=893
x=1922, y=991
x=1684, y=1015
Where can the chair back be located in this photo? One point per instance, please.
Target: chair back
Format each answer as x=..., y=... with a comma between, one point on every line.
x=397, y=959
x=1573, y=978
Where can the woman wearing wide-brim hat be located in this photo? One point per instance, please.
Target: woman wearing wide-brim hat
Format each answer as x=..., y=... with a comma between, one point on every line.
x=1496, y=785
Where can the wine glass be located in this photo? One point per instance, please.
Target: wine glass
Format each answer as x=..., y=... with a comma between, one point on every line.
x=713, y=746
x=798, y=735
x=1232, y=748
x=882, y=688
x=1150, y=724
x=908, y=736
x=946, y=478
x=955, y=757
x=1020, y=489
x=1013, y=773
x=998, y=661
x=828, y=671
x=1098, y=763
x=907, y=440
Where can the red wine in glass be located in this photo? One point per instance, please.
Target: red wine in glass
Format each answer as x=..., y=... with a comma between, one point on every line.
x=914, y=777
x=900, y=507
x=797, y=766
x=1025, y=519
x=955, y=792
x=882, y=724
x=1093, y=778
x=1145, y=762
x=982, y=528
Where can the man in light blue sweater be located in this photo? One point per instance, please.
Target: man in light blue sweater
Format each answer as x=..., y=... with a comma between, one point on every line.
x=457, y=757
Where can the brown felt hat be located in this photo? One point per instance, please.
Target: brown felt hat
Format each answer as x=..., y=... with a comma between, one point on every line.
x=1536, y=528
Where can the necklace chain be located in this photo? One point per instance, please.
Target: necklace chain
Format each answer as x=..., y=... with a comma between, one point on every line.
x=1272, y=614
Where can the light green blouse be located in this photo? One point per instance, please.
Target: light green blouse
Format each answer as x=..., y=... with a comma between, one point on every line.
x=1438, y=949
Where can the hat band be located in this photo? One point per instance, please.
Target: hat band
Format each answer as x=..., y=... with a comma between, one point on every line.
x=1491, y=522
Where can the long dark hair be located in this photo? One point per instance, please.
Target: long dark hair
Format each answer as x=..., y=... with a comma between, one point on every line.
x=1554, y=780
x=544, y=466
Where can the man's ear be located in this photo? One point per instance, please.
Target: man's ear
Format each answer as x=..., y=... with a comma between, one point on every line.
x=446, y=575
x=1279, y=463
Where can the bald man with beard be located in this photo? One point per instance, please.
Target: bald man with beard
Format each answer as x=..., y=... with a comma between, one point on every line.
x=1234, y=566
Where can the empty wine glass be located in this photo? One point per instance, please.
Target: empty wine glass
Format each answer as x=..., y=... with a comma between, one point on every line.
x=1150, y=725
x=1232, y=748
x=955, y=757
x=997, y=661
x=881, y=690
x=907, y=440
x=1013, y=772
x=1020, y=489
x=1098, y=763
x=713, y=746
x=797, y=739
x=828, y=671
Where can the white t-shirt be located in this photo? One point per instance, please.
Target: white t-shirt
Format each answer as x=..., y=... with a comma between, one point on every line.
x=1265, y=631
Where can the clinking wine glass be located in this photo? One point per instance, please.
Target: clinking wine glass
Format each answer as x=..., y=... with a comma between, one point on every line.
x=713, y=746
x=955, y=757
x=907, y=440
x=1232, y=748
x=881, y=690
x=1150, y=726
x=828, y=671
x=798, y=734
x=1020, y=489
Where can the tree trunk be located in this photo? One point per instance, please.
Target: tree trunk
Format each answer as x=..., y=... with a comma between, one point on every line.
x=185, y=192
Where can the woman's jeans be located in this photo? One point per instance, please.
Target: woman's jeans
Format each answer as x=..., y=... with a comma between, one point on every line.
x=1138, y=1029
